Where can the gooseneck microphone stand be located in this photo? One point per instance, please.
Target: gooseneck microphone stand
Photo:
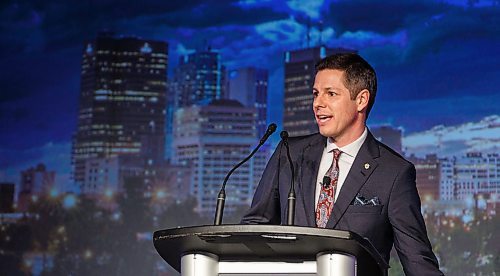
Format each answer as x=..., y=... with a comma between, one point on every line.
x=221, y=197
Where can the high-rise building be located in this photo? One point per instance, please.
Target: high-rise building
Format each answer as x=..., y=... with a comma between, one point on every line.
x=199, y=78
x=476, y=174
x=122, y=101
x=473, y=178
x=298, y=117
x=211, y=139
x=391, y=136
x=35, y=182
x=106, y=175
x=7, y=197
x=447, y=179
x=249, y=87
x=428, y=177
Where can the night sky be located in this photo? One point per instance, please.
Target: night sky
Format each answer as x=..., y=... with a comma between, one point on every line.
x=437, y=61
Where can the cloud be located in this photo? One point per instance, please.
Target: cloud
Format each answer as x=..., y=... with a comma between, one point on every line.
x=29, y=27
x=365, y=39
x=423, y=114
x=217, y=14
x=265, y=43
x=380, y=17
x=311, y=8
x=427, y=25
x=40, y=103
x=456, y=25
x=456, y=140
x=422, y=50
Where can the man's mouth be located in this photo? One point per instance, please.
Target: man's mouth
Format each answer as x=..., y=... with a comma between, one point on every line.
x=323, y=118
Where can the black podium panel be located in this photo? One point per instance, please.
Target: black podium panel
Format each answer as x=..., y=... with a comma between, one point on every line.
x=266, y=243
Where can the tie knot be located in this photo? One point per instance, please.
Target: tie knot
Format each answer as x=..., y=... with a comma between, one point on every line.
x=336, y=154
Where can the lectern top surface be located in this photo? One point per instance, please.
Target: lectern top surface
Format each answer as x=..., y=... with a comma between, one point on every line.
x=265, y=242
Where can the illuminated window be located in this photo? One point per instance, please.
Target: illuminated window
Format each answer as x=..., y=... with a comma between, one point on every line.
x=89, y=49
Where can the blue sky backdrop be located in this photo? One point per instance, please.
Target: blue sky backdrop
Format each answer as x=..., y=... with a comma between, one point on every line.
x=437, y=61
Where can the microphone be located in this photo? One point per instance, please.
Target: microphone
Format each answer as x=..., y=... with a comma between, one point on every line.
x=291, y=193
x=221, y=197
x=270, y=130
x=326, y=181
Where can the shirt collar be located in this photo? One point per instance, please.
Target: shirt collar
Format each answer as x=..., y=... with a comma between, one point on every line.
x=350, y=149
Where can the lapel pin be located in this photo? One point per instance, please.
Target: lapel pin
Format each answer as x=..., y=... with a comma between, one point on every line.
x=367, y=166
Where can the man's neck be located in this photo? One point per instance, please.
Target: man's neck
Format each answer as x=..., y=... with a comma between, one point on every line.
x=350, y=137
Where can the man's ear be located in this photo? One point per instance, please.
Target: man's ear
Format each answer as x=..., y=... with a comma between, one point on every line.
x=362, y=99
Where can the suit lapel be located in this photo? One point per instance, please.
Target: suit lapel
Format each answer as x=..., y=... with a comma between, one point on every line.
x=363, y=166
x=310, y=166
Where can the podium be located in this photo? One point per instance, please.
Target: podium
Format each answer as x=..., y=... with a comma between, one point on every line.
x=267, y=249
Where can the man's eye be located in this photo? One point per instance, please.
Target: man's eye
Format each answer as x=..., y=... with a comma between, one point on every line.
x=315, y=94
x=330, y=93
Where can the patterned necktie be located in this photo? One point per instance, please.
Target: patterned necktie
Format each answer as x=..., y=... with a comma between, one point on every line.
x=327, y=194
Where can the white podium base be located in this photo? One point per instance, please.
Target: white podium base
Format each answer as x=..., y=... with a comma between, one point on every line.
x=326, y=264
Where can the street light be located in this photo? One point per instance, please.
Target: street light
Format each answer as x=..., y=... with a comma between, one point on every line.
x=69, y=201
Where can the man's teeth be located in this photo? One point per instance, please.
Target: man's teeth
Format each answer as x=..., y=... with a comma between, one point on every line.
x=324, y=117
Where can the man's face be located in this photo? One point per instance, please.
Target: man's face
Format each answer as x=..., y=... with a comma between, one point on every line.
x=336, y=114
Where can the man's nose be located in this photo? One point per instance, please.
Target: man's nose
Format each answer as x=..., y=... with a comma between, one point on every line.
x=318, y=102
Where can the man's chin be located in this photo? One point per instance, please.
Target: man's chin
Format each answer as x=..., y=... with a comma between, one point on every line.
x=325, y=132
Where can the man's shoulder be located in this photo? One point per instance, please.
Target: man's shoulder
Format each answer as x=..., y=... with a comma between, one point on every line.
x=387, y=153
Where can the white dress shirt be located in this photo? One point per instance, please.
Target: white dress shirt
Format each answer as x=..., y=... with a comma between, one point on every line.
x=346, y=159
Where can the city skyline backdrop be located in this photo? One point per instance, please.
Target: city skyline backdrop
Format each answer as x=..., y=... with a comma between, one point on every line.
x=436, y=60
x=82, y=85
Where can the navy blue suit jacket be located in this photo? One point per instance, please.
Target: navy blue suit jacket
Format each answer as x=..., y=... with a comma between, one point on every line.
x=388, y=176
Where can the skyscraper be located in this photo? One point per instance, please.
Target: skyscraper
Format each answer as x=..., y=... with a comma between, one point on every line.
x=298, y=117
x=199, y=78
x=211, y=139
x=122, y=101
x=249, y=87
x=428, y=176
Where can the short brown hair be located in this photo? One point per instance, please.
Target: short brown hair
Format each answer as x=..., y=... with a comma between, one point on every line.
x=358, y=74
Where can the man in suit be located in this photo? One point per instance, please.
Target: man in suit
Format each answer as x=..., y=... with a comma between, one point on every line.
x=346, y=179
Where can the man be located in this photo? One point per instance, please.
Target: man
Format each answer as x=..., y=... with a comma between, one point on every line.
x=346, y=179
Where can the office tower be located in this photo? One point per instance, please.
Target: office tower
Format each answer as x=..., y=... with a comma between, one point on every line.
x=7, y=197
x=428, y=177
x=249, y=87
x=199, y=78
x=391, y=136
x=447, y=179
x=298, y=117
x=211, y=139
x=476, y=174
x=35, y=183
x=122, y=102
x=106, y=175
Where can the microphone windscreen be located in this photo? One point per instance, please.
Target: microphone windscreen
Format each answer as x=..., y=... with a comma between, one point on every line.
x=326, y=181
x=284, y=134
x=272, y=127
